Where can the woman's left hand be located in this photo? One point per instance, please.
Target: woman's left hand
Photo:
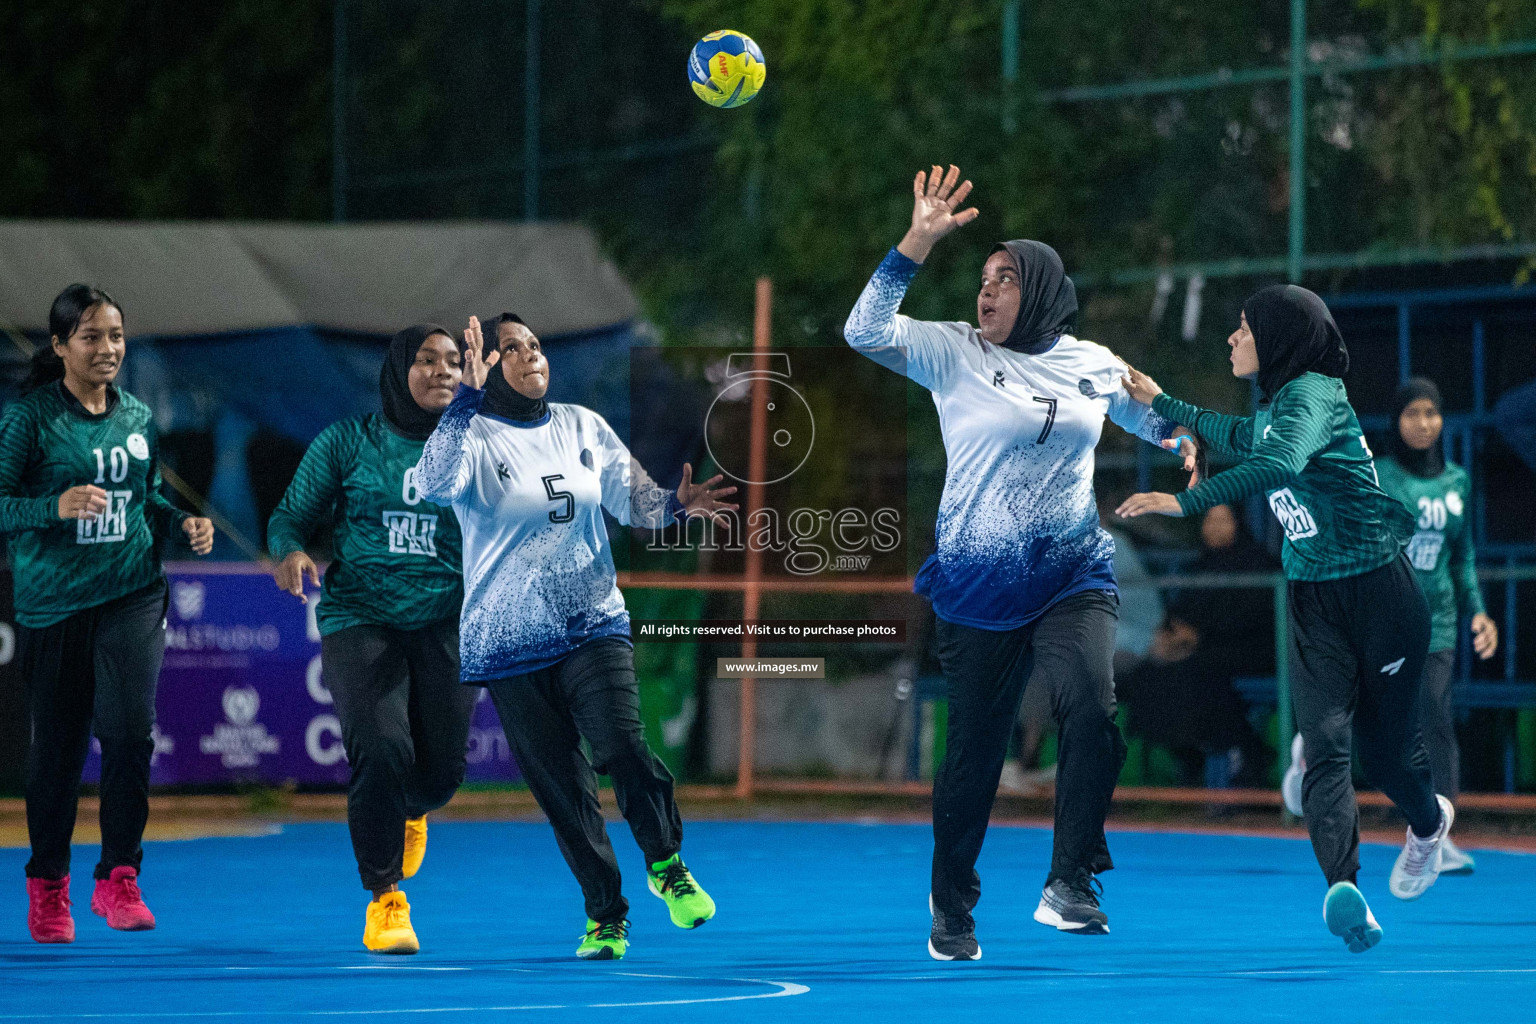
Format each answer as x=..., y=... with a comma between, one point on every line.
x=1185, y=446
x=1150, y=503
x=1485, y=636
x=1139, y=386
x=199, y=533
x=704, y=499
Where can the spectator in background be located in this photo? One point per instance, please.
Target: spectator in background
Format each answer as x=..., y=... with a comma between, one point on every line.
x=1183, y=695
x=1439, y=494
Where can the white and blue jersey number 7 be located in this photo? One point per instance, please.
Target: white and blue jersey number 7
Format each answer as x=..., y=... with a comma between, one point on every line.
x=568, y=502
x=1050, y=418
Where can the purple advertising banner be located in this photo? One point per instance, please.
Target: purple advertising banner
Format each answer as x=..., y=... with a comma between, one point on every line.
x=242, y=696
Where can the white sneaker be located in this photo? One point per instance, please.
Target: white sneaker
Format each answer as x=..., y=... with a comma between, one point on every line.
x=1418, y=865
x=1454, y=860
x=1290, y=786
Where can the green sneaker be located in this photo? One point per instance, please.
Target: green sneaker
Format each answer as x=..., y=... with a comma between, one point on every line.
x=604, y=941
x=670, y=879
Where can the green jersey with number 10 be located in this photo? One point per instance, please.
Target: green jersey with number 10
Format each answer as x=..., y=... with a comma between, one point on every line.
x=50, y=443
x=398, y=558
x=1306, y=453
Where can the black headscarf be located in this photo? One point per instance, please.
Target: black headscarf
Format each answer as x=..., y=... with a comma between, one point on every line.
x=1047, y=297
x=501, y=398
x=400, y=409
x=1431, y=461
x=1294, y=334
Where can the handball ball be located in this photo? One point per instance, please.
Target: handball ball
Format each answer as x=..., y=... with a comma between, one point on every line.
x=726, y=69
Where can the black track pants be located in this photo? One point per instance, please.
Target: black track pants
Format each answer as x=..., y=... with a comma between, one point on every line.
x=1438, y=720
x=98, y=667
x=593, y=694
x=1358, y=646
x=404, y=723
x=1069, y=651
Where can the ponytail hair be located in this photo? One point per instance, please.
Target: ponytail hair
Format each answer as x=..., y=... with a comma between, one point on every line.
x=64, y=318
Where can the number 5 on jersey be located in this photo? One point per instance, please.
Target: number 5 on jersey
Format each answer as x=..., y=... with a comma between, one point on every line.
x=567, y=511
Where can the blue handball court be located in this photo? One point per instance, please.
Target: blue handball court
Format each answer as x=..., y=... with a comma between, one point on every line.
x=817, y=922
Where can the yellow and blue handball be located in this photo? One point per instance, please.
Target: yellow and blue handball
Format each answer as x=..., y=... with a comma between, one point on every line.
x=726, y=69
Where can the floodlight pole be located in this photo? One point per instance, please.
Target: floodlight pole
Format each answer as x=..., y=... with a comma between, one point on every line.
x=339, y=111
x=1298, y=180
x=531, y=103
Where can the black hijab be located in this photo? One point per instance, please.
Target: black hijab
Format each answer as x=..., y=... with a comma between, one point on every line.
x=1294, y=334
x=1047, y=297
x=501, y=398
x=400, y=409
x=1431, y=461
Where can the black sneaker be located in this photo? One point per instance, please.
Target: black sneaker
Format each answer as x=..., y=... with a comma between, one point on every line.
x=1072, y=905
x=953, y=937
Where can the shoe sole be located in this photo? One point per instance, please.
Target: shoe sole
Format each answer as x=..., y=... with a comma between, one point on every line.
x=52, y=940
x=943, y=957
x=1048, y=917
x=1346, y=914
x=402, y=948
x=602, y=954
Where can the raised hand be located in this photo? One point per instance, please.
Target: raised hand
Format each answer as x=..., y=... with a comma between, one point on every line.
x=290, y=573
x=199, y=533
x=83, y=502
x=703, y=499
x=935, y=198
x=477, y=365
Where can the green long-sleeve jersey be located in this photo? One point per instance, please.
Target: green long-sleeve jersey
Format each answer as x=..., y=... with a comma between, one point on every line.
x=50, y=443
x=1306, y=453
x=398, y=559
x=1441, y=548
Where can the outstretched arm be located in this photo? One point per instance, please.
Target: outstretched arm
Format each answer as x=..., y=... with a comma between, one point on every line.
x=912, y=348
x=1301, y=427
x=634, y=499
x=1229, y=435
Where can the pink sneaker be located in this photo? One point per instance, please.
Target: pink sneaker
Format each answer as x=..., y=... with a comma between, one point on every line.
x=119, y=901
x=48, y=915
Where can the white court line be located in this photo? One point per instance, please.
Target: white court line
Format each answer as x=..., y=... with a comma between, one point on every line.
x=1278, y=972
x=785, y=988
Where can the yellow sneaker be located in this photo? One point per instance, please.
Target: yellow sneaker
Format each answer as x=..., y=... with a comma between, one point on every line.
x=389, y=925
x=415, y=846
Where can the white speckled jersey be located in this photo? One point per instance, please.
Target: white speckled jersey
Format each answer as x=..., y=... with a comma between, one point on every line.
x=1018, y=527
x=538, y=570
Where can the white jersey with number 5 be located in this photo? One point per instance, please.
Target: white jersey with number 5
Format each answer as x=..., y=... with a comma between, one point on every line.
x=1018, y=527
x=539, y=579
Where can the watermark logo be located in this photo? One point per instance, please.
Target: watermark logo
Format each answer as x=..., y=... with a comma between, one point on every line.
x=189, y=599
x=790, y=426
x=240, y=741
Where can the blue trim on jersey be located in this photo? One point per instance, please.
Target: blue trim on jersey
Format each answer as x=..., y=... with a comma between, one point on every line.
x=980, y=612
x=520, y=424
x=617, y=627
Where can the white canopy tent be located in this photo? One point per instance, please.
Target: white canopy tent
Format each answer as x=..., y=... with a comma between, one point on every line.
x=191, y=278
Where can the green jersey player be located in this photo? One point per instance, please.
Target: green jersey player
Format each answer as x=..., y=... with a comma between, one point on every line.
x=1438, y=495
x=1359, y=624
x=86, y=525
x=388, y=618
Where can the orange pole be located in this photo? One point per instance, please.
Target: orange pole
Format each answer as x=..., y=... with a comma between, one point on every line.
x=762, y=330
